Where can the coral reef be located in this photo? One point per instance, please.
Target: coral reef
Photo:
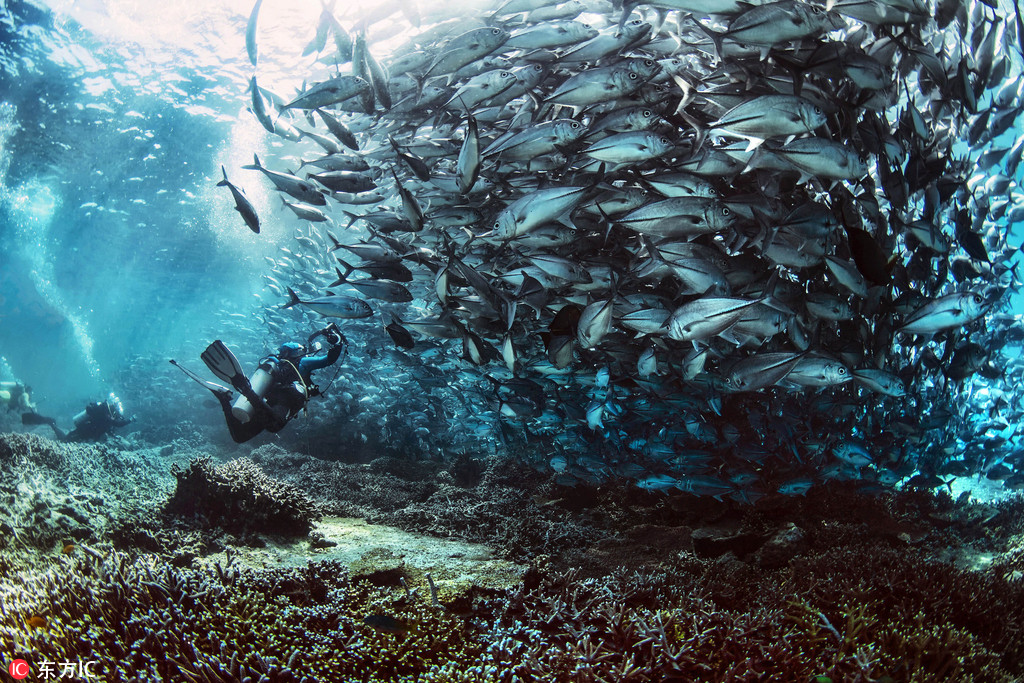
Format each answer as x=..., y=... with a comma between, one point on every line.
x=52, y=493
x=830, y=618
x=499, y=502
x=144, y=620
x=238, y=497
x=837, y=585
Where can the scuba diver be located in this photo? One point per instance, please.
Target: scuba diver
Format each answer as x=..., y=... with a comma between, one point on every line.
x=95, y=423
x=280, y=387
x=16, y=396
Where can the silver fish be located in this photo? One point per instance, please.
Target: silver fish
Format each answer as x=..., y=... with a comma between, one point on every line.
x=296, y=187
x=952, y=310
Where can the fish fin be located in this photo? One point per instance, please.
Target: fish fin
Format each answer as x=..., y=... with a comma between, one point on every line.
x=341, y=278
x=353, y=218
x=610, y=224
x=255, y=166
x=294, y=298
x=716, y=37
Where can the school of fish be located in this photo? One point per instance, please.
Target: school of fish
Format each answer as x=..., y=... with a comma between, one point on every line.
x=730, y=248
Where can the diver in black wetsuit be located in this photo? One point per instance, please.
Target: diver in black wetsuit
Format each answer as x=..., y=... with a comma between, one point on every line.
x=95, y=423
x=279, y=389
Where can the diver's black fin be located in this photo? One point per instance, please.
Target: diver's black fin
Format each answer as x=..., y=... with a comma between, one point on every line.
x=222, y=362
x=212, y=386
x=36, y=419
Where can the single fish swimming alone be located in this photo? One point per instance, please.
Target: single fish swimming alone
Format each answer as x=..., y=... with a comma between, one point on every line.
x=242, y=205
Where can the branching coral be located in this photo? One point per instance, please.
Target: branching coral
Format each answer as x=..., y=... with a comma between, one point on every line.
x=844, y=596
x=148, y=620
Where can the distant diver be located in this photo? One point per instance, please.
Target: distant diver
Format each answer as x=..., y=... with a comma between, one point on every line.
x=96, y=422
x=16, y=396
x=279, y=389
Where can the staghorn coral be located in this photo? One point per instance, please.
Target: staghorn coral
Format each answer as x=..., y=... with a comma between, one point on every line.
x=863, y=590
x=240, y=498
x=148, y=620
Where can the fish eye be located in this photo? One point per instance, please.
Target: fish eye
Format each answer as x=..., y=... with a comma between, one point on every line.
x=647, y=113
x=817, y=109
x=575, y=124
x=978, y=299
x=648, y=62
x=586, y=26
x=495, y=31
x=726, y=211
x=664, y=140
x=633, y=76
x=842, y=371
x=636, y=22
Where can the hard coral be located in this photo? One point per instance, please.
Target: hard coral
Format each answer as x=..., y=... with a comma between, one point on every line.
x=145, y=620
x=240, y=498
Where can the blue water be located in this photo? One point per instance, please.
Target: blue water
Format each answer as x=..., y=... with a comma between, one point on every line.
x=118, y=251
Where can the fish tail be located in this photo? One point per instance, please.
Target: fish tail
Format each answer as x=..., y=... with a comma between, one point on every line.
x=716, y=37
x=337, y=244
x=608, y=220
x=255, y=165
x=294, y=298
x=701, y=129
x=348, y=269
x=341, y=278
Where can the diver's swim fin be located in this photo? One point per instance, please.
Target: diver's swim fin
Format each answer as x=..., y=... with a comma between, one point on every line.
x=36, y=419
x=223, y=363
x=212, y=386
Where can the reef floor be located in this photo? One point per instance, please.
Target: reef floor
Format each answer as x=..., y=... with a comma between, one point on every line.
x=181, y=562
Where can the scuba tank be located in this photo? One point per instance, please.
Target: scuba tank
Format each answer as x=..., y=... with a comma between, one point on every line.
x=260, y=381
x=81, y=419
x=111, y=409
